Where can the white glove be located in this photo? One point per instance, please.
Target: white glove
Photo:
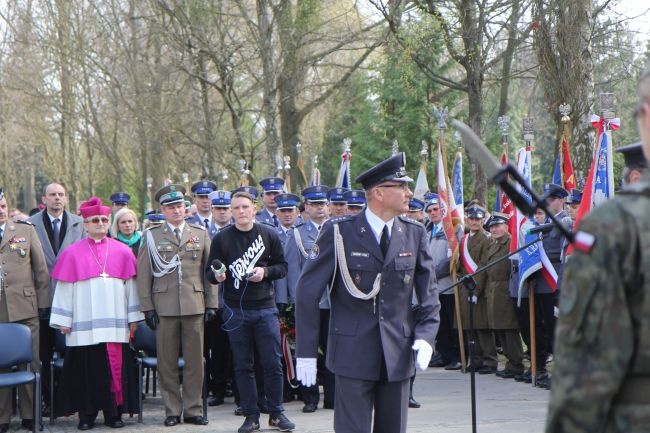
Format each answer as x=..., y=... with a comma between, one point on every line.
x=423, y=351
x=306, y=371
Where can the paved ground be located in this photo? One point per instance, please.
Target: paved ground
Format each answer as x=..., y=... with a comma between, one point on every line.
x=503, y=406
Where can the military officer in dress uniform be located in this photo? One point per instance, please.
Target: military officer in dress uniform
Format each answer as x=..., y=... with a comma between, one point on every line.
x=201, y=191
x=271, y=186
x=416, y=210
x=217, y=344
x=372, y=263
x=176, y=298
x=573, y=203
x=297, y=251
x=119, y=200
x=24, y=291
x=338, y=205
x=287, y=212
x=221, y=213
x=474, y=248
x=356, y=200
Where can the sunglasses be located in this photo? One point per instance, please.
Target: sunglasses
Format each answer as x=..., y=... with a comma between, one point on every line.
x=97, y=220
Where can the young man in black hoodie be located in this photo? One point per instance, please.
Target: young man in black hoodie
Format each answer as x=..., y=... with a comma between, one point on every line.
x=252, y=258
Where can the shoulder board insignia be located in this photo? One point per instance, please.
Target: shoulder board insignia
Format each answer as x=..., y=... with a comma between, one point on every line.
x=409, y=220
x=298, y=225
x=341, y=219
x=25, y=222
x=268, y=224
x=196, y=226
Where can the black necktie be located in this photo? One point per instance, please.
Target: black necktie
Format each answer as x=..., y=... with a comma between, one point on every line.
x=275, y=221
x=56, y=235
x=206, y=223
x=383, y=243
x=1, y=233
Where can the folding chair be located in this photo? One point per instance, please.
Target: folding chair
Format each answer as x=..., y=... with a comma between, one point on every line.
x=18, y=337
x=56, y=364
x=145, y=341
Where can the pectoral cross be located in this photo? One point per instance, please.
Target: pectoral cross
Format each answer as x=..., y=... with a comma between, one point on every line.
x=104, y=275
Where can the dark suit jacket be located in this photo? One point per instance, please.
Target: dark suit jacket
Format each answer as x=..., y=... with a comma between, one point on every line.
x=362, y=332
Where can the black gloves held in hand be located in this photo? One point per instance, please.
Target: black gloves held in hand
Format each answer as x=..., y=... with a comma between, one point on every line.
x=151, y=319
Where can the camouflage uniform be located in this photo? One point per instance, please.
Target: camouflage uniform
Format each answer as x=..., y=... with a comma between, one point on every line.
x=602, y=347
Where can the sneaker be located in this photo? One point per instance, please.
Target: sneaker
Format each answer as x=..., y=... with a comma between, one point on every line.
x=251, y=423
x=281, y=422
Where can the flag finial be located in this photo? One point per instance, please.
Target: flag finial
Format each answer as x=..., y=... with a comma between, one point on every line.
x=565, y=110
x=608, y=105
x=528, y=127
x=441, y=115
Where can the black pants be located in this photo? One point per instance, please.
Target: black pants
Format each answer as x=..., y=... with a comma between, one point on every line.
x=217, y=357
x=447, y=338
x=327, y=379
x=544, y=324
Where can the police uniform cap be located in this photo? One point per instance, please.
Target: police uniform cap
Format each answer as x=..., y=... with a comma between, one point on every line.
x=315, y=194
x=575, y=197
x=287, y=201
x=633, y=155
x=433, y=199
x=497, y=218
x=250, y=190
x=553, y=190
x=355, y=197
x=156, y=217
x=120, y=197
x=475, y=212
x=272, y=184
x=170, y=194
x=335, y=195
x=220, y=198
x=391, y=169
x=203, y=187
x=416, y=205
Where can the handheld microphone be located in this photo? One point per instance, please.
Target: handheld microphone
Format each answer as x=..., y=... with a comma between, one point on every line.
x=542, y=228
x=217, y=267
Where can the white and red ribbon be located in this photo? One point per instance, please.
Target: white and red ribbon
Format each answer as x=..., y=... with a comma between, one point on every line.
x=468, y=263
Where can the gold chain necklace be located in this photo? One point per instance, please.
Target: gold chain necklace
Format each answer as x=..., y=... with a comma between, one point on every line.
x=103, y=274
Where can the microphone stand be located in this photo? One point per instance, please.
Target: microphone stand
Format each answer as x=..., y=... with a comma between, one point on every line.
x=470, y=284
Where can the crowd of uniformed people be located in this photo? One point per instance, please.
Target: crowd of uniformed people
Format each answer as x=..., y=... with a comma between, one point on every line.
x=231, y=338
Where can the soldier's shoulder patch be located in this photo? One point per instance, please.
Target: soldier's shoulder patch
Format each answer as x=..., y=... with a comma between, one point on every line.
x=197, y=226
x=298, y=225
x=584, y=242
x=25, y=222
x=315, y=251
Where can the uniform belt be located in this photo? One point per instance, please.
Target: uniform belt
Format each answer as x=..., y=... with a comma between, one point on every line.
x=634, y=390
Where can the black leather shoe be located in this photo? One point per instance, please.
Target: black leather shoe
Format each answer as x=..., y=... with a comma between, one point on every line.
x=115, y=422
x=309, y=408
x=486, y=369
x=251, y=424
x=506, y=374
x=196, y=420
x=171, y=421
x=27, y=424
x=454, y=365
x=239, y=411
x=413, y=403
x=437, y=362
x=4, y=427
x=215, y=401
x=85, y=425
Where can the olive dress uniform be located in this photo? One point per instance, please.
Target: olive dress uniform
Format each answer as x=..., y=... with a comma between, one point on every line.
x=485, y=352
x=24, y=288
x=180, y=299
x=500, y=308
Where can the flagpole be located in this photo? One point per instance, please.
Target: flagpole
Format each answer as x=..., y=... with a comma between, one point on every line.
x=607, y=108
x=529, y=135
x=224, y=179
x=441, y=115
x=300, y=164
x=287, y=173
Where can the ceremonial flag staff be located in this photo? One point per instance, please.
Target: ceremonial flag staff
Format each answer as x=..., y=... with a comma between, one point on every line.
x=446, y=198
x=300, y=164
x=186, y=181
x=243, y=172
x=224, y=179
x=343, y=178
x=287, y=173
x=315, y=172
x=149, y=201
x=421, y=183
x=565, y=166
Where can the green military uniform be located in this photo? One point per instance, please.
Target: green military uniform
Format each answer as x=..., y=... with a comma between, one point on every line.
x=500, y=308
x=24, y=288
x=478, y=246
x=602, y=349
x=180, y=298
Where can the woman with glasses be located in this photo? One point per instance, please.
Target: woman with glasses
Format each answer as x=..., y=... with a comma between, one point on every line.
x=96, y=306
